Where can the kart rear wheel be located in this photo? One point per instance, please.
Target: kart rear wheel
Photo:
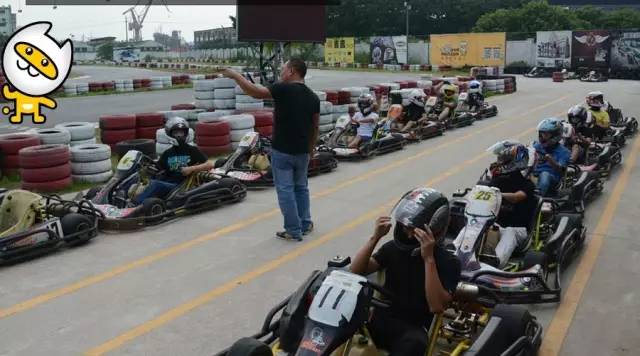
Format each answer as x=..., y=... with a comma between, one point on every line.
x=248, y=346
x=152, y=208
x=532, y=258
x=516, y=321
x=75, y=223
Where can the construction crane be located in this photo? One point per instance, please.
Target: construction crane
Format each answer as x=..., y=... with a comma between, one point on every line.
x=137, y=19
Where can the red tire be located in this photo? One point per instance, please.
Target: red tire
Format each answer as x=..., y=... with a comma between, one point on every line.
x=265, y=130
x=44, y=156
x=215, y=150
x=11, y=162
x=213, y=128
x=117, y=122
x=412, y=84
x=11, y=144
x=213, y=140
x=331, y=95
x=149, y=119
x=183, y=107
x=41, y=175
x=263, y=118
x=111, y=137
x=147, y=132
x=48, y=187
x=344, y=97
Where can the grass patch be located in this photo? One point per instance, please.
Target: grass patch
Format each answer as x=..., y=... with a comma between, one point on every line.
x=15, y=182
x=113, y=92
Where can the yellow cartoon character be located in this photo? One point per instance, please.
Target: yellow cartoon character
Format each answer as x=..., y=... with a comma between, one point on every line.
x=35, y=65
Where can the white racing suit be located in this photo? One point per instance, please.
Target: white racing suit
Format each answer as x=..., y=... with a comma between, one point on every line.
x=510, y=238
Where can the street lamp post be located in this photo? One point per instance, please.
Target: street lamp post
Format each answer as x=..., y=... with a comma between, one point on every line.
x=407, y=8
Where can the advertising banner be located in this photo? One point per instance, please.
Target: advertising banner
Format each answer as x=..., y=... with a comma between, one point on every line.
x=591, y=49
x=389, y=50
x=468, y=49
x=625, y=50
x=340, y=50
x=553, y=49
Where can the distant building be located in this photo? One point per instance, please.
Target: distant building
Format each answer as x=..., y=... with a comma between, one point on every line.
x=7, y=21
x=97, y=42
x=84, y=51
x=137, y=51
x=221, y=35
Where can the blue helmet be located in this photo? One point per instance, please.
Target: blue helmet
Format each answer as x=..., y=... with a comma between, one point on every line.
x=553, y=127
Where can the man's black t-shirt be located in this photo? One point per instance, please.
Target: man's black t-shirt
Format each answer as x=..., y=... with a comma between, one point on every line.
x=405, y=279
x=295, y=104
x=414, y=112
x=515, y=215
x=177, y=157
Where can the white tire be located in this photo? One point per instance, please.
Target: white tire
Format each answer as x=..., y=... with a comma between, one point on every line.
x=161, y=147
x=92, y=178
x=326, y=107
x=237, y=135
x=225, y=104
x=391, y=86
x=357, y=91
x=240, y=122
x=220, y=83
x=205, y=104
x=79, y=130
x=54, y=136
x=161, y=136
x=70, y=86
x=224, y=94
x=90, y=153
x=326, y=128
x=326, y=119
x=425, y=84
x=405, y=93
x=249, y=106
x=203, y=95
x=238, y=91
x=246, y=99
x=203, y=85
x=321, y=95
x=340, y=109
x=91, y=141
x=213, y=116
x=96, y=167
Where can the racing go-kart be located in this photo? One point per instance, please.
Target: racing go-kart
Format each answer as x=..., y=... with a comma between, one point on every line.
x=619, y=121
x=595, y=157
x=423, y=129
x=540, y=72
x=328, y=315
x=199, y=192
x=32, y=225
x=338, y=141
x=471, y=104
x=434, y=107
x=594, y=76
x=250, y=163
x=553, y=237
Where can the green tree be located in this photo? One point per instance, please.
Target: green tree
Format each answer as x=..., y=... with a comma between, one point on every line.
x=105, y=52
x=533, y=16
x=621, y=18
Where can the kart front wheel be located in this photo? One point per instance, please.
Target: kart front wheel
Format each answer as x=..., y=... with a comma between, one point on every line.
x=532, y=258
x=153, y=208
x=516, y=322
x=78, y=227
x=248, y=346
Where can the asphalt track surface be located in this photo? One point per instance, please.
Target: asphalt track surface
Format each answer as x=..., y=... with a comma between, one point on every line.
x=193, y=286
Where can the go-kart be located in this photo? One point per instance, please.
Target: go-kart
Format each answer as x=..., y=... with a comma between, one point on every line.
x=570, y=75
x=199, y=192
x=552, y=239
x=328, y=315
x=594, y=76
x=32, y=225
x=595, y=157
x=619, y=121
x=540, y=72
x=434, y=107
x=471, y=104
x=250, y=163
x=422, y=130
x=338, y=141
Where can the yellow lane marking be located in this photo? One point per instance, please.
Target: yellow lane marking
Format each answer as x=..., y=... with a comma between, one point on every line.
x=559, y=326
x=247, y=277
x=169, y=251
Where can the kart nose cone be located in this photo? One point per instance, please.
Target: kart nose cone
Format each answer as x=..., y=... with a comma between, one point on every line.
x=37, y=59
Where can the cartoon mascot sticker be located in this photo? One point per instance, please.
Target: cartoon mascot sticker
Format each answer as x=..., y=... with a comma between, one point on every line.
x=35, y=65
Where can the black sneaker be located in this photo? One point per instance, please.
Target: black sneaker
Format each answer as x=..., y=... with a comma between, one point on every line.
x=283, y=235
x=308, y=230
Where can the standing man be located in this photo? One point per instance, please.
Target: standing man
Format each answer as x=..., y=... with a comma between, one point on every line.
x=296, y=118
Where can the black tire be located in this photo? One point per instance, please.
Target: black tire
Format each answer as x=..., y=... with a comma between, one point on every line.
x=153, y=207
x=220, y=162
x=146, y=146
x=92, y=192
x=248, y=346
x=516, y=320
x=532, y=258
x=74, y=223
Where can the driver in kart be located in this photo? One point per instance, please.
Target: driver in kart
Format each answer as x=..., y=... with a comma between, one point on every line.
x=476, y=99
x=365, y=119
x=597, y=115
x=178, y=162
x=419, y=272
x=449, y=99
x=519, y=194
x=577, y=140
x=553, y=157
x=414, y=112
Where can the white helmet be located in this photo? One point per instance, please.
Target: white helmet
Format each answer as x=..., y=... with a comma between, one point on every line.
x=417, y=97
x=475, y=87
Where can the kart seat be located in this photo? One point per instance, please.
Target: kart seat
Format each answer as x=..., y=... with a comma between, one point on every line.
x=259, y=162
x=18, y=211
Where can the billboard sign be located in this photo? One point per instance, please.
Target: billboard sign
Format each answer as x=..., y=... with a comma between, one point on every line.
x=389, y=50
x=468, y=49
x=340, y=50
x=591, y=49
x=553, y=49
x=625, y=50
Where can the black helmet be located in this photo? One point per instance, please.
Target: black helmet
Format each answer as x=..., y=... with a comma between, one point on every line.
x=177, y=128
x=577, y=116
x=365, y=104
x=419, y=208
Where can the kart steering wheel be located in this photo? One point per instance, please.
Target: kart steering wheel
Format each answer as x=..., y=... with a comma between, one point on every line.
x=383, y=291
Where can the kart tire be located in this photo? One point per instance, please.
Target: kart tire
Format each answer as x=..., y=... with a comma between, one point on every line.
x=203, y=95
x=11, y=144
x=326, y=119
x=205, y=104
x=148, y=133
x=183, y=107
x=149, y=120
x=224, y=83
x=74, y=223
x=117, y=122
x=237, y=135
x=224, y=94
x=322, y=96
x=213, y=116
x=91, y=167
x=79, y=130
x=90, y=153
x=145, y=146
x=91, y=141
x=265, y=131
x=224, y=104
x=248, y=346
x=204, y=85
x=263, y=118
x=215, y=128
x=48, y=187
x=213, y=140
x=240, y=122
x=41, y=175
x=44, y=156
x=246, y=99
x=112, y=137
x=249, y=106
x=326, y=128
x=213, y=151
x=238, y=90
x=54, y=136
x=92, y=178
x=161, y=147
x=326, y=107
x=532, y=258
x=515, y=321
x=10, y=162
x=152, y=207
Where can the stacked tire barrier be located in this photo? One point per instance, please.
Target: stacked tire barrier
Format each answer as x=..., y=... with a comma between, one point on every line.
x=157, y=83
x=331, y=96
x=246, y=102
x=485, y=71
x=240, y=125
x=124, y=85
x=509, y=85
x=10, y=145
x=180, y=79
x=558, y=77
x=70, y=89
x=224, y=94
x=354, y=93
x=45, y=168
x=54, y=136
x=213, y=138
x=80, y=132
x=263, y=122
x=339, y=110
x=326, y=117
x=344, y=97
x=144, y=145
x=117, y=128
x=91, y=163
x=147, y=124
x=163, y=142
x=183, y=107
x=82, y=88
x=203, y=93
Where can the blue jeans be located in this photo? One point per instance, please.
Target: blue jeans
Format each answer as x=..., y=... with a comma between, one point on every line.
x=290, y=179
x=155, y=189
x=547, y=183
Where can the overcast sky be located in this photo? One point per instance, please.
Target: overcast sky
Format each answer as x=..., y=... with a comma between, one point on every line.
x=100, y=21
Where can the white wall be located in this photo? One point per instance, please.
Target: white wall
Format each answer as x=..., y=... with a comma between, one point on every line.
x=521, y=51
